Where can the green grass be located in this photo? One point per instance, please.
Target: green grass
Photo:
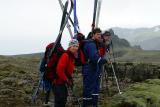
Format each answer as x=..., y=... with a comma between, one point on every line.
x=139, y=95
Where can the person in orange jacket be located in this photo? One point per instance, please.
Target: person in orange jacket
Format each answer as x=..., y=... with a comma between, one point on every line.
x=64, y=72
x=105, y=45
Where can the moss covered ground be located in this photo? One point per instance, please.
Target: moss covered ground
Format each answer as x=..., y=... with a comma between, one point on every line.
x=19, y=77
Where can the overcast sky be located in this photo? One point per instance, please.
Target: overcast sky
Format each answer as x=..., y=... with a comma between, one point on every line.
x=27, y=26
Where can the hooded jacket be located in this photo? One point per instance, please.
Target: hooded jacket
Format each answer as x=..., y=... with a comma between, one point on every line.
x=65, y=68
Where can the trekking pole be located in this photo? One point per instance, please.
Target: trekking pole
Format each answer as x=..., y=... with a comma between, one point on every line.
x=101, y=80
x=112, y=34
x=116, y=78
x=72, y=93
x=106, y=80
x=34, y=96
x=113, y=51
x=103, y=76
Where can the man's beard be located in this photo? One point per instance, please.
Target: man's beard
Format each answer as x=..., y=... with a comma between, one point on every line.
x=107, y=43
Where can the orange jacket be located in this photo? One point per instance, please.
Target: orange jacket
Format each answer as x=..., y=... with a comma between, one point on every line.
x=102, y=51
x=65, y=68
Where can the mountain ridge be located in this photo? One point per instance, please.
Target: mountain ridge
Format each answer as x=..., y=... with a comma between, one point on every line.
x=139, y=36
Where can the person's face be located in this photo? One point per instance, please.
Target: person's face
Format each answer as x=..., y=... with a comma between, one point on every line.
x=74, y=48
x=97, y=37
x=107, y=38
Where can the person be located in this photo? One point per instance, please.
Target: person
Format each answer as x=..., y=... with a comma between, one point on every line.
x=104, y=48
x=46, y=84
x=107, y=40
x=104, y=51
x=91, y=70
x=64, y=73
x=47, y=67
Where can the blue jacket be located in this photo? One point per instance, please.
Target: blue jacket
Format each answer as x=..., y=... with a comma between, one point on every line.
x=91, y=72
x=93, y=59
x=92, y=56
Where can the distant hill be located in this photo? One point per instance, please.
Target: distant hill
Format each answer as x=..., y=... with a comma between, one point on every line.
x=147, y=38
x=120, y=42
x=151, y=44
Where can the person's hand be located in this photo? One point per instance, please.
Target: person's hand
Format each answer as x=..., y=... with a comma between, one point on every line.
x=108, y=62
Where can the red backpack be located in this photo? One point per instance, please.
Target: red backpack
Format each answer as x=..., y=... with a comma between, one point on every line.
x=52, y=61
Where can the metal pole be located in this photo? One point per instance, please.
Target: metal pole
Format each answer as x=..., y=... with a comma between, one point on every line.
x=70, y=89
x=116, y=79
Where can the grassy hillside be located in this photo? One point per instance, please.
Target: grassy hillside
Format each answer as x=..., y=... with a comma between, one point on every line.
x=19, y=75
x=17, y=78
x=139, y=56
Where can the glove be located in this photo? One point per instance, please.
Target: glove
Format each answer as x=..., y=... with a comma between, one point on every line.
x=108, y=62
